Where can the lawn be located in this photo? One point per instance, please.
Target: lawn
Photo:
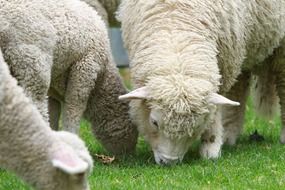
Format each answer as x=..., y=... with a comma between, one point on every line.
x=248, y=165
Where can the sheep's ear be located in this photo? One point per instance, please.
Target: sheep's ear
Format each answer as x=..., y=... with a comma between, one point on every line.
x=217, y=99
x=66, y=160
x=140, y=93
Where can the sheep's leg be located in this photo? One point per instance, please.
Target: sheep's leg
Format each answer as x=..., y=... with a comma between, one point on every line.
x=32, y=68
x=212, y=138
x=278, y=62
x=233, y=116
x=281, y=93
x=54, y=109
x=81, y=82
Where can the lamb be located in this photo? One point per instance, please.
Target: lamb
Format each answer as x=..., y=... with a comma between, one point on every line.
x=44, y=158
x=186, y=56
x=61, y=49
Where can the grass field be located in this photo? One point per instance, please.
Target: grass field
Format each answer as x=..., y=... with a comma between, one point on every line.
x=248, y=165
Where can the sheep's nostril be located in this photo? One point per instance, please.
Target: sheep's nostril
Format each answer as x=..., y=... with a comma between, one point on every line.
x=162, y=162
x=175, y=161
x=167, y=162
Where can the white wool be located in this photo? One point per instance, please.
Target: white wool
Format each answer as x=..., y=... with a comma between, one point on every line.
x=179, y=94
x=61, y=49
x=106, y=9
x=181, y=100
x=185, y=50
x=99, y=8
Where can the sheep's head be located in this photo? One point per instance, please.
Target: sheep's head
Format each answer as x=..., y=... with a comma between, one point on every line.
x=71, y=163
x=172, y=113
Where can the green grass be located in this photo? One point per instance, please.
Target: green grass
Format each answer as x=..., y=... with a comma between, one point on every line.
x=246, y=166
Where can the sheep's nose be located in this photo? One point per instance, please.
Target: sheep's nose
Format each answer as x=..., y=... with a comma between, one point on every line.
x=167, y=161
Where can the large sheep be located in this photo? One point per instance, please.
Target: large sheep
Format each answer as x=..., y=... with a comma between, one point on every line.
x=61, y=48
x=47, y=160
x=185, y=52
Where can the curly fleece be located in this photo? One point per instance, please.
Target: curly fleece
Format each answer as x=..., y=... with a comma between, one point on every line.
x=27, y=144
x=106, y=9
x=61, y=48
x=185, y=50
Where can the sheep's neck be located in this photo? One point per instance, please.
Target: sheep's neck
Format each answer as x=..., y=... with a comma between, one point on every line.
x=109, y=115
x=23, y=132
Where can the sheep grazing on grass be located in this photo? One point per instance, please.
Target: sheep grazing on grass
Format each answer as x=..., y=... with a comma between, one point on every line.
x=183, y=53
x=61, y=49
x=47, y=160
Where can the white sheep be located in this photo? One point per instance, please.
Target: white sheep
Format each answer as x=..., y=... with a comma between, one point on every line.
x=47, y=160
x=61, y=48
x=185, y=52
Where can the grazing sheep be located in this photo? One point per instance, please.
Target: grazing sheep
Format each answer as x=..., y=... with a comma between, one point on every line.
x=47, y=160
x=61, y=48
x=185, y=52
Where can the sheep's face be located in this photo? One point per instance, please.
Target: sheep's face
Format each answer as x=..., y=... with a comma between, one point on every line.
x=169, y=147
x=71, y=163
x=64, y=170
x=170, y=133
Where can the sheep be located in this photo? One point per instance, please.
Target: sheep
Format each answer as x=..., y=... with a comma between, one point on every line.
x=185, y=56
x=61, y=49
x=44, y=158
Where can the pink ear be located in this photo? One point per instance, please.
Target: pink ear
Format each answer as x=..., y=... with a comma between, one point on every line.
x=68, y=161
x=140, y=93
